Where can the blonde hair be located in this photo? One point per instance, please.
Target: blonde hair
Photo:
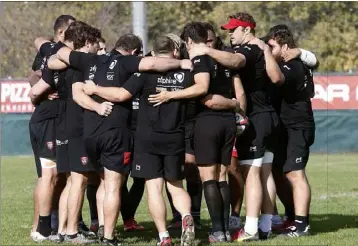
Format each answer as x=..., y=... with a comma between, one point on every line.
x=176, y=39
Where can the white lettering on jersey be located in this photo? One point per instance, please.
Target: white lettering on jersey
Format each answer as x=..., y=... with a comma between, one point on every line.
x=113, y=64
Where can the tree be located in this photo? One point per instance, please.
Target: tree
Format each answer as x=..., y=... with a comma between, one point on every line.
x=329, y=29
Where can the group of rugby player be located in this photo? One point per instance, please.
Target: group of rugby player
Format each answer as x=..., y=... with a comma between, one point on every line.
x=192, y=109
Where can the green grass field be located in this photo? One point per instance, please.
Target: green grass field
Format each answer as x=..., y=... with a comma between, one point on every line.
x=334, y=209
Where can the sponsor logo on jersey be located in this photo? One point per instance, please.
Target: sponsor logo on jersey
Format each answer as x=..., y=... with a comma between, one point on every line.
x=84, y=160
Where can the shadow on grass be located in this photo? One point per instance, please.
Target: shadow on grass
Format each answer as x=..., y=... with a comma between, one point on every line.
x=322, y=223
x=150, y=233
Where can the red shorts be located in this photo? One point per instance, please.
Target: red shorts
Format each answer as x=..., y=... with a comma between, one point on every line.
x=234, y=151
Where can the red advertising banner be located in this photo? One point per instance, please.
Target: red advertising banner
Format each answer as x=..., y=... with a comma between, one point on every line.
x=332, y=93
x=15, y=97
x=335, y=92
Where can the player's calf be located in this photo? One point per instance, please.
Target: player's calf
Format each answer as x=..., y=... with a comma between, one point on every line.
x=157, y=208
x=182, y=203
x=269, y=197
x=112, y=183
x=302, y=197
x=45, y=194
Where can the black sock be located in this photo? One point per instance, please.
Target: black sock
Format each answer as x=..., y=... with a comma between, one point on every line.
x=301, y=222
x=175, y=213
x=290, y=213
x=92, y=201
x=225, y=196
x=195, y=190
x=44, y=225
x=214, y=204
x=135, y=195
x=110, y=240
x=308, y=219
x=72, y=236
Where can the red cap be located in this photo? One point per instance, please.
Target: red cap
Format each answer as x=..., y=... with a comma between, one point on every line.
x=234, y=23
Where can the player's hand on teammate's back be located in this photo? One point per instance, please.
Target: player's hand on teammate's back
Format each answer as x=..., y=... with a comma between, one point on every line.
x=105, y=108
x=186, y=64
x=291, y=54
x=89, y=87
x=198, y=50
x=52, y=96
x=160, y=98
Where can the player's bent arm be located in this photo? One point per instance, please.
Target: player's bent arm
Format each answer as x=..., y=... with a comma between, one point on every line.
x=56, y=64
x=38, y=90
x=308, y=58
x=113, y=94
x=158, y=64
x=272, y=69
x=218, y=102
x=227, y=59
x=34, y=77
x=200, y=88
x=82, y=99
x=240, y=93
x=63, y=54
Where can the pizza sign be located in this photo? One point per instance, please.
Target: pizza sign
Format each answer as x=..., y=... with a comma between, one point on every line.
x=15, y=97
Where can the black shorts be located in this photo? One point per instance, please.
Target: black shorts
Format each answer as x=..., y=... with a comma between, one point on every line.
x=62, y=157
x=258, y=138
x=43, y=141
x=214, y=138
x=292, y=152
x=78, y=158
x=189, y=132
x=111, y=150
x=151, y=166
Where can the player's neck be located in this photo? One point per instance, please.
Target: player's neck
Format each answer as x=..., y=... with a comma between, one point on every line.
x=248, y=38
x=123, y=52
x=165, y=55
x=200, y=43
x=67, y=43
x=56, y=39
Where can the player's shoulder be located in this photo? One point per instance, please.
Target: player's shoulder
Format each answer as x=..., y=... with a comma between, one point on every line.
x=292, y=65
x=125, y=60
x=56, y=46
x=122, y=58
x=200, y=59
x=252, y=48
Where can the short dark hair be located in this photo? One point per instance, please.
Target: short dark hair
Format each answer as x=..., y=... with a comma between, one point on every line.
x=62, y=22
x=163, y=44
x=79, y=32
x=243, y=16
x=129, y=42
x=74, y=33
x=195, y=31
x=284, y=36
x=278, y=27
x=208, y=27
x=92, y=34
